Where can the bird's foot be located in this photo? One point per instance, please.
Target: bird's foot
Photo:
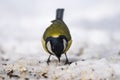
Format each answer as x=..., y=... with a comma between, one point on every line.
x=48, y=61
x=67, y=62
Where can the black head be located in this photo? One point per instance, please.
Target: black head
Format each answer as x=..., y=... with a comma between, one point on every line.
x=56, y=45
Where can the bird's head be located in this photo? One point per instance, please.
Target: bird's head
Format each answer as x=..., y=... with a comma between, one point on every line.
x=56, y=45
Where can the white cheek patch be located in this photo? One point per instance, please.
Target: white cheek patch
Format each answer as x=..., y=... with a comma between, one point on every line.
x=64, y=43
x=49, y=47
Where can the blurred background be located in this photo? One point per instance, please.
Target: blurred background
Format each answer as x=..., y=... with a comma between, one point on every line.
x=91, y=22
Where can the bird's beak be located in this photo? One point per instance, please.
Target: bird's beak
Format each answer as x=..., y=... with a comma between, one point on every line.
x=58, y=59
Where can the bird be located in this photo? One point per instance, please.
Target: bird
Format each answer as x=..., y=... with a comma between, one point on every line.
x=57, y=39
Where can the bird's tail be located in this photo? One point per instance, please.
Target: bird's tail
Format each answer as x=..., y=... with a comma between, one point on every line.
x=59, y=14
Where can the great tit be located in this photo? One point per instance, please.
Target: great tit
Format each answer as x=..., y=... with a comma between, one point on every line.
x=56, y=38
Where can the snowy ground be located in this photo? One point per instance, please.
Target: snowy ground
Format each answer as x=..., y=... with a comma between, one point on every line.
x=95, y=51
x=91, y=60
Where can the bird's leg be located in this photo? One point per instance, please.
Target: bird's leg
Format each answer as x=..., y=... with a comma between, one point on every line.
x=67, y=61
x=48, y=60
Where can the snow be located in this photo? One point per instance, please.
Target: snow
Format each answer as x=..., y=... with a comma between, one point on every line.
x=95, y=51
